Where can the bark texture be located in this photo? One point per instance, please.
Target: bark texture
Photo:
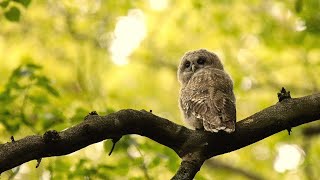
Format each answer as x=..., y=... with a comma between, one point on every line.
x=194, y=147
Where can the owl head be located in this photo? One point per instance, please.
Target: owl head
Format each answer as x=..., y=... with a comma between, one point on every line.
x=193, y=61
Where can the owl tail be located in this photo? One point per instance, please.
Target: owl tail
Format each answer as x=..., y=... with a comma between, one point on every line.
x=213, y=125
x=216, y=124
x=231, y=126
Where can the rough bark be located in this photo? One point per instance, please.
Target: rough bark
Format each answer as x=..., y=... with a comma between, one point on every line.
x=194, y=147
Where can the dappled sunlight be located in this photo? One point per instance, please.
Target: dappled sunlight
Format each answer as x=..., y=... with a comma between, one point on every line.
x=94, y=152
x=46, y=175
x=105, y=56
x=289, y=157
x=158, y=5
x=134, y=152
x=22, y=171
x=84, y=6
x=261, y=152
x=246, y=83
x=300, y=25
x=130, y=30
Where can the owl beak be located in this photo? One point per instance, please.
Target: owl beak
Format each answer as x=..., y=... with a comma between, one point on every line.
x=193, y=68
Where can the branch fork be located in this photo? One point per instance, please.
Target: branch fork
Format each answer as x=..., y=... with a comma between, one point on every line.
x=194, y=147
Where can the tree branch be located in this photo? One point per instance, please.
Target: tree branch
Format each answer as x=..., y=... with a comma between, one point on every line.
x=194, y=147
x=216, y=164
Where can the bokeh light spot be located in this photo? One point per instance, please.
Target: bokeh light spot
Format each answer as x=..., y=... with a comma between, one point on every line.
x=130, y=30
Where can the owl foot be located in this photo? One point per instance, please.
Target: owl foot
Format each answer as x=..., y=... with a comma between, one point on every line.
x=283, y=94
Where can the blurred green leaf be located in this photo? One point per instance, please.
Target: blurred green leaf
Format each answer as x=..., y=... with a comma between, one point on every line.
x=313, y=24
x=79, y=115
x=11, y=124
x=52, y=90
x=4, y=3
x=49, y=119
x=109, y=110
x=155, y=162
x=13, y=14
x=14, y=85
x=123, y=168
x=38, y=99
x=264, y=45
x=44, y=82
x=33, y=66
x=25, y=3
x=298, y=5
x=5, y=97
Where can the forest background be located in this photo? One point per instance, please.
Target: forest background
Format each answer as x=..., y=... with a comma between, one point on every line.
x=59, y=60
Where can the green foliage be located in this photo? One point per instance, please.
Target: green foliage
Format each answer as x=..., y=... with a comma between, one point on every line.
x=12, y=8
x=13, y=14
x=22, y=102
x=264, y=45
x=4, y=3
x=25, y=3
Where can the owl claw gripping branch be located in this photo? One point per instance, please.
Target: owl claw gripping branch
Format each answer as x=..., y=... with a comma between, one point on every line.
x=206, y=98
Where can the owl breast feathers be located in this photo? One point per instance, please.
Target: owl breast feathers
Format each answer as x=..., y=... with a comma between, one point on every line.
x=206, y=96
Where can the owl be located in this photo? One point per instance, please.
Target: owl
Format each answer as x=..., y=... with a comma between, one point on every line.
x=206, y=100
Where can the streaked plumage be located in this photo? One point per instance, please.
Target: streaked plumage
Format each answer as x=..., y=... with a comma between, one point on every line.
x=206, y=96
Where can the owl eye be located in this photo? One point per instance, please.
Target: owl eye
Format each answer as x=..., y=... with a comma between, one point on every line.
x=201, y=60
x=187, y=64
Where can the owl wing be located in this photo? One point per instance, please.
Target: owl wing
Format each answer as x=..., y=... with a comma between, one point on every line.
x=223, y=113
x=211, y=101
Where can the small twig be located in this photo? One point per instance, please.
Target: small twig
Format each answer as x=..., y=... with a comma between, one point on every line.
x=38, y=162
x=144, y=167
x=213, y=163
x=182, y=140
x=282, y=95
x=114, y=142
x=91, y=114
x=12, y=139
x=289, y=129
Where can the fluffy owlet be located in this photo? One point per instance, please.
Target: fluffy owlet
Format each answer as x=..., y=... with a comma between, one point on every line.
x=206, y=96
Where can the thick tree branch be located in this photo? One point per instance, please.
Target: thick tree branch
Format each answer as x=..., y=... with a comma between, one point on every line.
x=190, y=165
x=194, y=147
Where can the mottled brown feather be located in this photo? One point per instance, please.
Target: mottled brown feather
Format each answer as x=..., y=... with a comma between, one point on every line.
x=208, y=102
